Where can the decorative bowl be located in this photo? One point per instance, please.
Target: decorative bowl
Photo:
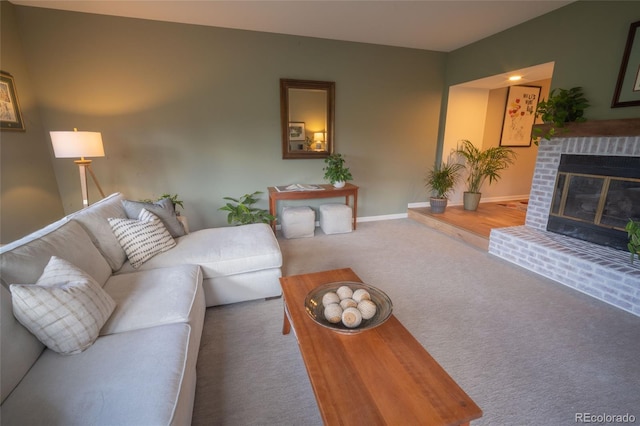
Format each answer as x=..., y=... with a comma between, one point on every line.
x=315, y=309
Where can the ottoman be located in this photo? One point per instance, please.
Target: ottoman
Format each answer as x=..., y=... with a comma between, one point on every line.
x=335, y=218
x=298, y=222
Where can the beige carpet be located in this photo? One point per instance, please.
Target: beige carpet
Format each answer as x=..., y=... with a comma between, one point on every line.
x=527, y=350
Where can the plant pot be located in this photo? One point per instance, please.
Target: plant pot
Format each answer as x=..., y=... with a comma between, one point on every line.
x=339, y=184
x=471, y=200
x=438, y=204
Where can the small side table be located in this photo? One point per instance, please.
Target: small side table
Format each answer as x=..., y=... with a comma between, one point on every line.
x=329, y=191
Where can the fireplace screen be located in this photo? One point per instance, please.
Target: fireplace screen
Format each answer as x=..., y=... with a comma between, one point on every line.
x=595, y=197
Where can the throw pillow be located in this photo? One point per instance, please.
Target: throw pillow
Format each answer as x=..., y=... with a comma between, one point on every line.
x=164, y=209
x=143, y=238
x=65, y=309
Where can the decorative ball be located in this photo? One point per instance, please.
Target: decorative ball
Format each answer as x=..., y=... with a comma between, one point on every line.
x=351, y=317
x=330, y=298
x=344, y=292
x=361, y=294
x=333, y=313
x=348, y=303
x=367, y=308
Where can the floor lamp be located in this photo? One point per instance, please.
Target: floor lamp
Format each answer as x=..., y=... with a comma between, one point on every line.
x=79, y=144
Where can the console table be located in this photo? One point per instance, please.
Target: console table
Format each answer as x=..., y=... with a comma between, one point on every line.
x=329, y=191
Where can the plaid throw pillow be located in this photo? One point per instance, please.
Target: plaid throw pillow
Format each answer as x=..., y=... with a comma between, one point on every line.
x=65, y=309
x=143, y=238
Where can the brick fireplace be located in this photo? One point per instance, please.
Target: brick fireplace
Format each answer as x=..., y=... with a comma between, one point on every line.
x=602, y=272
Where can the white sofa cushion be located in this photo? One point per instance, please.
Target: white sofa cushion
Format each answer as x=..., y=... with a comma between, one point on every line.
x=132, y=378
x=222, y=251
x=155, y=297
x=94, y=220
x=23, y=261
x=65, y=309
x=142, y=238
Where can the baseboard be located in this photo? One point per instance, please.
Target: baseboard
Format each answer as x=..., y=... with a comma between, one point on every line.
x=482, y=200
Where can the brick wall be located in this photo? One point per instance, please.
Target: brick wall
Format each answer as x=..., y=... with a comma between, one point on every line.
x=601, y=272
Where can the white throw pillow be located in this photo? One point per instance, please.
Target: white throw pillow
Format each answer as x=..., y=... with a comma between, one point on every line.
x=65, y=309
x=143, y=238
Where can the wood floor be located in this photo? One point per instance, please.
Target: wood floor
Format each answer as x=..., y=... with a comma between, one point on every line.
x=472, y=227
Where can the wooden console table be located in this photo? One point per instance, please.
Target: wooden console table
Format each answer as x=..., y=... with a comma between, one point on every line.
x=329, y=191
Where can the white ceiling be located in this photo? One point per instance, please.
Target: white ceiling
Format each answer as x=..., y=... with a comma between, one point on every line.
x=423, y=24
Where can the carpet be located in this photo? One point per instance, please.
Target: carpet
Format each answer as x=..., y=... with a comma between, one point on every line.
x=527, y=350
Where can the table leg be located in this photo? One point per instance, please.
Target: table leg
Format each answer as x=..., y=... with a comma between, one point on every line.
x=272, y=212
x=286, y=325
x=355, y=210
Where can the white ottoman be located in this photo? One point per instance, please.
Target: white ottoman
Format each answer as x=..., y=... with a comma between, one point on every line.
x=335, y=218
x=298, y=222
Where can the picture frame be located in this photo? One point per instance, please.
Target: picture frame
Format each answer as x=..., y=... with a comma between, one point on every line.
x=296, y=131
x=627, y=91
x=519, y=116
x=10, y=114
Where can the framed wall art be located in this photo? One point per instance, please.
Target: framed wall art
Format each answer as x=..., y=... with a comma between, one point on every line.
x=10, y=115
x=296, y=131
x=519, y=115
x=627, y=92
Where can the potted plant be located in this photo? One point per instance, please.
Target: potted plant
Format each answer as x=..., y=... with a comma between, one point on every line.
x=563, y=106
x=633, y=230
x=482, y=165
x=440, y=180
x=242, y=212
x=335, y=171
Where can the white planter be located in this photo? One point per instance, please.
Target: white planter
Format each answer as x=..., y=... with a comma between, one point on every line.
x=339, y=184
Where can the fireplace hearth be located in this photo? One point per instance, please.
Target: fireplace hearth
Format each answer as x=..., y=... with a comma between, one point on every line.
x=600, y=271
x=594, y=198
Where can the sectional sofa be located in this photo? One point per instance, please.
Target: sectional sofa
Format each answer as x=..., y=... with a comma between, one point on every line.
x=126, y=332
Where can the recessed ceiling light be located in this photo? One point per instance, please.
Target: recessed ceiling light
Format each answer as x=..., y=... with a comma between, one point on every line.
x=515, y=77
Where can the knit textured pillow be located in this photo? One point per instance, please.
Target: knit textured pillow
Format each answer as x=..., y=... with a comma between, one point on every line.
x=143, y=238
x=65, y=309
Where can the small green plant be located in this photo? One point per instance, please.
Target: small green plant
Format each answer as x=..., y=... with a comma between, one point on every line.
x=633, y=230
x=242, y=212
x=441, y=179
x=563, y=106
x=484, y=164
x=335, y=171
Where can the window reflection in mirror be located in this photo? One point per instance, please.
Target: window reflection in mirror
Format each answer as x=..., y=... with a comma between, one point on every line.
x=306, y=115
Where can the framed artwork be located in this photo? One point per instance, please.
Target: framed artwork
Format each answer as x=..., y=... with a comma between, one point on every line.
x=296, y=131
x=519, y=115
x=10, y=115
x=627, y=92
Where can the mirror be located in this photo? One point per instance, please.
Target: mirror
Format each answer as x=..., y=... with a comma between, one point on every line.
x=306, y=118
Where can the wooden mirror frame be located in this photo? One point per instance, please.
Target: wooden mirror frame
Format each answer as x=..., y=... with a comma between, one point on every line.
x=329, y=87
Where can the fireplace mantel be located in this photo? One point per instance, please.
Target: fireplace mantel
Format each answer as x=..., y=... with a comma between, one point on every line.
x=594, y=128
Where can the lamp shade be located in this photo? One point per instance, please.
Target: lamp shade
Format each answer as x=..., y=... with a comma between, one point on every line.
x=318, y=136
x=77, y=144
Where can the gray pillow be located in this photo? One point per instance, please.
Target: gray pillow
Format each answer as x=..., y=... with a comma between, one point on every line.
x=164, y=209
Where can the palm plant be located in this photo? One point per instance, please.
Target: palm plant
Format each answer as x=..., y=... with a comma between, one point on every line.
x=484, y=164
x=441, y=179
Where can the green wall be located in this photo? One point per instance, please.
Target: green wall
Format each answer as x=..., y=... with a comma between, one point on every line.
x=194, y=110
x=586, y=39
x=29, y=197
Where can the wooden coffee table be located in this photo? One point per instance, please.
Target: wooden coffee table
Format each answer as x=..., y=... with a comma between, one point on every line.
x=379, y=376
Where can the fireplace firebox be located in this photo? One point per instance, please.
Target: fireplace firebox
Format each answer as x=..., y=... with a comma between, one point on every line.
x=594, y=198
